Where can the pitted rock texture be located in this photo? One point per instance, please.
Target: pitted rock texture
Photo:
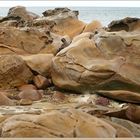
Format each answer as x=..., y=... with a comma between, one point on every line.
x=23, y=40
x=20, y=11
x=66, y=21
x=70, y=123
x=18, y=17
x=128, y=24
x=100, y=63
x=60, y=11
x=13, y=72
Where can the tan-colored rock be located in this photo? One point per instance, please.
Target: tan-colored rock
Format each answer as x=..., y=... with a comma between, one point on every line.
x=93, y=26
x=82, y=36
x=66, y=21
x=27, y=87
x=30, y=94
x=59, y=96
x=128, y=24
x=61, y=12
x=122, y=132
x=133, y=113
x=69, y=26
x=18, y=17
x=71, y=123
x=13, y=72
x=40, y=63
x=24, y=40
x=41, y=82
x=25, y=102
x=21, y=11
x=106, y=61
x=59, y=42
x=133, y=127
x=128, y=96
x=4, y=100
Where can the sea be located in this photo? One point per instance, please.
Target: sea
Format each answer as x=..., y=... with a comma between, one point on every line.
x=87, y=14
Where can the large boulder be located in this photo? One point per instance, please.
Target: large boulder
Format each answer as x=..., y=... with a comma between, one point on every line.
x=127, y=24
x=13, y=72
x=107, y=61
x=66, y=21
x=18, y=16
x=24, y=40
x=70, y=123
x=39, y=63
x=30, y=40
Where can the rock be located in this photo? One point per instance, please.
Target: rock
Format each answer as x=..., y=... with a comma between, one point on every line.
x=122, y=132
x=100, y=63
x=66, y=22
x=91, y=27
x=128, y=24
x=60, y=11
x=71, y=123
x=59, y=42
x=59, y=96
x=117, y=113
x=4, y=100
x=13, y=72
x=41, y=82
x=31, y=94
x=20, y=11
x=133, y=112
x=132, y=127
x=124, y=95
x=25, y=102
x=82, y=36
x=40, y=63
x=27, y=87
x=102, y=101
x=18, y=17
x=23, y=40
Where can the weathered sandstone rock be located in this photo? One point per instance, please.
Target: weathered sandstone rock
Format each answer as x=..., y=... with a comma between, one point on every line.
x=91, y=27
x=18, y=17
x=40, y=63
x=41, y=82
x=25, y=102
x=66, y=22
x=133, y=112
x=20, y=11
x=133, y=127
x=71, y=123
x=122, y=132
x=127, y=24
x=13, y=72
x=30, y=94
x=107, y=61
x=59, y=42
x=25, y=40
x=4, y=100
x=27, y=87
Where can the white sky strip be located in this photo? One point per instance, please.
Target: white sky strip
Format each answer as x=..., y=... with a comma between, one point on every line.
x=69, y=3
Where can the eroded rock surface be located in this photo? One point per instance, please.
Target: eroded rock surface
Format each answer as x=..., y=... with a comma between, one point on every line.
x=40, y=63
x=128, y=24
x=13, y=72
x=71, y=123
x=66, y=21
x=100, y=63
x=23, y=40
